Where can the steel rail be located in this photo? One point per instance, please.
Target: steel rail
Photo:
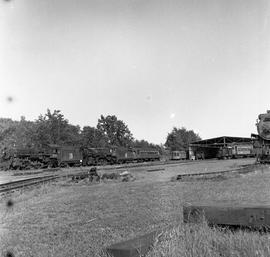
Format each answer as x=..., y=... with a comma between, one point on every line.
x=17, y=184
x=241, y=170
x=161, y=163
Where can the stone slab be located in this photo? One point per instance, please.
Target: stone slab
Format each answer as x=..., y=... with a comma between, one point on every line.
x=226, y=214
x=136, y=247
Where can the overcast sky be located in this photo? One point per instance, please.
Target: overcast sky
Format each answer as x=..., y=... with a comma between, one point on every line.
x=204, y=65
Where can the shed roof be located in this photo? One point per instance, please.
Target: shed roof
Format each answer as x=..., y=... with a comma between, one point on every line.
x=221, y=141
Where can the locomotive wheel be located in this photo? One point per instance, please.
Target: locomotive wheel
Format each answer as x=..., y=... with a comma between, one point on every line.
x=64, y=165
x=102, y=162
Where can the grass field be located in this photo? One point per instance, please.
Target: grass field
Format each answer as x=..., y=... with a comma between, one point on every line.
x=199, y=240
x=66, y=219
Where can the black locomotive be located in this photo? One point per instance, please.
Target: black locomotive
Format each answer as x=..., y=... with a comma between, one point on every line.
x=262, y=140
x=46, y=157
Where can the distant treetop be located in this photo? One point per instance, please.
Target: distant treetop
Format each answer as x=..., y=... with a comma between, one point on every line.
x=180, y=138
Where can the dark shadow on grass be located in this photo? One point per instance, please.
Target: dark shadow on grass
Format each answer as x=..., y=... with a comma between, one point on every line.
x=237, y=228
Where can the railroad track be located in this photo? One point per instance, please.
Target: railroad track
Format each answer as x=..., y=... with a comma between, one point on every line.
x=160, y=163
x=143, y=165
x=18, y=184
x=25, y=172
x=123, y=166
x=241, y=170
x=23, y=183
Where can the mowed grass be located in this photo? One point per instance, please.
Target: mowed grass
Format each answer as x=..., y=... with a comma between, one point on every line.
x=79, y=220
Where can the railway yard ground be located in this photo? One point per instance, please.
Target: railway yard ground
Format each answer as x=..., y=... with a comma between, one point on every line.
x=64, y=218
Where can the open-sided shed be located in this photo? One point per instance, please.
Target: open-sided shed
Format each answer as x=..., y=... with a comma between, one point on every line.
x=209, y=148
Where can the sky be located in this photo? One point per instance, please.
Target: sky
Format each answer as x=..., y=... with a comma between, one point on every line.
x=155, y=64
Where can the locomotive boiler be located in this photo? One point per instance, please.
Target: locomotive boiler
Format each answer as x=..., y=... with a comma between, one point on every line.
x=262, y=140
x=47, y=156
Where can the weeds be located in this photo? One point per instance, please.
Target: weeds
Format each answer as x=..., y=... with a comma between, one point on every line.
x=199, y=240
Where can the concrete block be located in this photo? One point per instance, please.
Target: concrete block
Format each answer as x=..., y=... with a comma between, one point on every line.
x=225, y=214
x=136, y=247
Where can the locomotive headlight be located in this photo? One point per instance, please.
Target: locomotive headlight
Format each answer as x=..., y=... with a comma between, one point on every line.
x=80, y=160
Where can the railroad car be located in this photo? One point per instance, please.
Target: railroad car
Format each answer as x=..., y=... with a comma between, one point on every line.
x=26, y=158
x=124, y=155
x=242, y=150
x=178, y=155
x=262, y=139
x=98, y=156
x=61, y=156
x=48, y=156
x=236, y=151
x=66, y=155
x=104, y=156
x=144, y=155
x=118, y=155
x=225, y=152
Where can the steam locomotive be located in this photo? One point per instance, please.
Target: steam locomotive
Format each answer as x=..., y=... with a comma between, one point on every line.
x=262, y=140
x=62, y=156
x=48, y=156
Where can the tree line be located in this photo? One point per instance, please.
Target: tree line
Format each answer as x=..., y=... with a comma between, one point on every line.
x=54, y=128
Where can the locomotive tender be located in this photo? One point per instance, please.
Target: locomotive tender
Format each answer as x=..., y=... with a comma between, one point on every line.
x=262, y=140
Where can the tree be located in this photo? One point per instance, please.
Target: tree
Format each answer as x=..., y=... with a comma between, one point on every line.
x=71, y=134
x=16, y=134
x=180, y=138
x=116, y=131
x=24, y=133
x=53, y=128
x=8, y=138
x=144, y=144
x=92, y=137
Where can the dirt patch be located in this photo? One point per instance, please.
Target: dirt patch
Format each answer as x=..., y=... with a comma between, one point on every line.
x=94, y=176
x=200, y=178
x=220, y=175
x=152, y=170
